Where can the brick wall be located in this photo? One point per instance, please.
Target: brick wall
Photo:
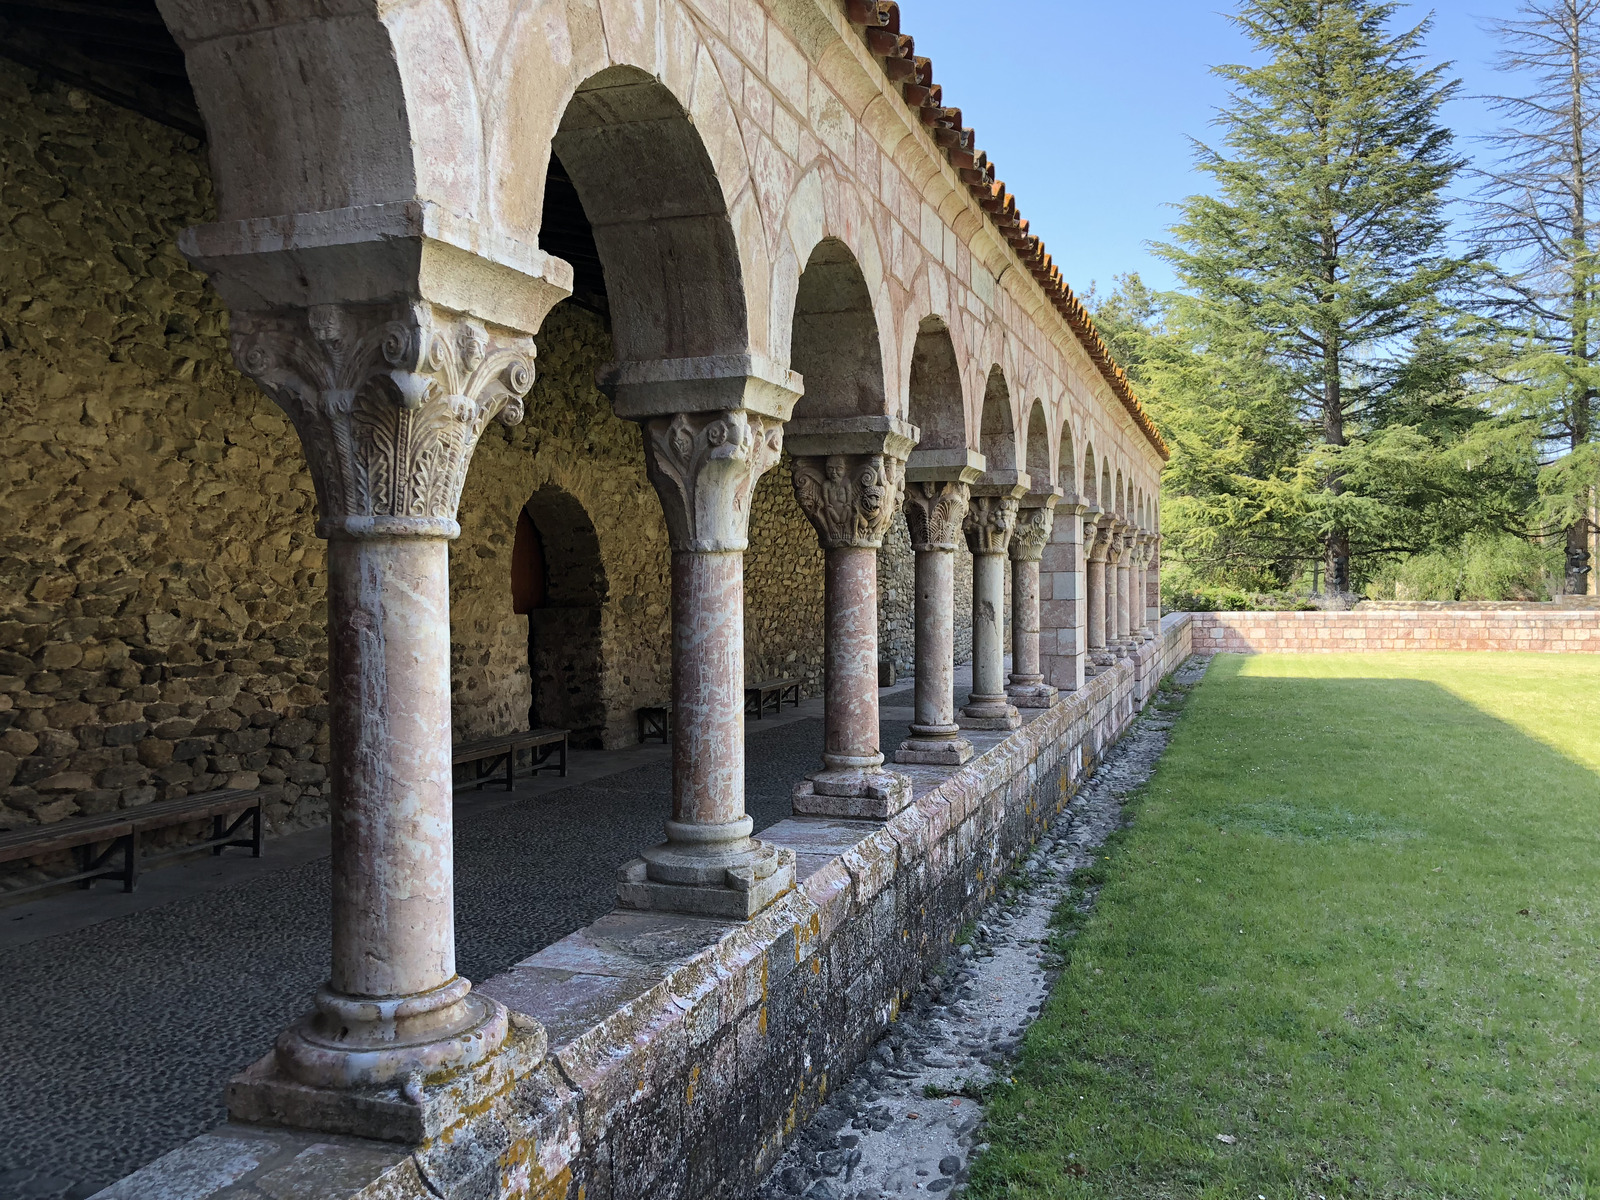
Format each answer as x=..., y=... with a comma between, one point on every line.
x=1550, y=631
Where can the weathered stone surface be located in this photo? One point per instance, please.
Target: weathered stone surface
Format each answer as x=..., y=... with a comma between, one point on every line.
x=687, y=1051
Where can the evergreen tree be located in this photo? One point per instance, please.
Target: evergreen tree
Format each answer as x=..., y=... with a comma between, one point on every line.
x=1537, y=213
x=1323, y=248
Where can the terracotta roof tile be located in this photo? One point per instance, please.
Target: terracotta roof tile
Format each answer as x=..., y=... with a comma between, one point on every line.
x=879, y=21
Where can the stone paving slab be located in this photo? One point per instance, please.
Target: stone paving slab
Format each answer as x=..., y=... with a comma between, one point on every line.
x=201, y=985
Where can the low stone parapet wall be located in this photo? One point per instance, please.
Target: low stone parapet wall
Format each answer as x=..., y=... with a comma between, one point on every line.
x=685, y=1051
x=1551, y=630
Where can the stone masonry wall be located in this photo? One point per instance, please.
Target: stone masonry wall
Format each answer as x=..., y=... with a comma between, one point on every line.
x=1424, y=629
x=161, y=592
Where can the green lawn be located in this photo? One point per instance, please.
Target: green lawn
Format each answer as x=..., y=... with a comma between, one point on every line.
x=1356, y=926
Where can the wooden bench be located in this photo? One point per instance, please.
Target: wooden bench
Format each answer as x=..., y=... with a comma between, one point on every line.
x=770, y=691
x=108, y=844
x=655, y=723
x=487, y=755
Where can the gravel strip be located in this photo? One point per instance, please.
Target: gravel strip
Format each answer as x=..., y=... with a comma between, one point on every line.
x=910, y=1120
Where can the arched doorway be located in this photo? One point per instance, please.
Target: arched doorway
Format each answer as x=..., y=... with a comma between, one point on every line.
x=559, y=582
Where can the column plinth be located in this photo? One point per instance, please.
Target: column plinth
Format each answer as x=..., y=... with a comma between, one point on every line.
x=851, y=498
x=705, y=466
x=935, y=509
x=1026, y=687
x=991, y=520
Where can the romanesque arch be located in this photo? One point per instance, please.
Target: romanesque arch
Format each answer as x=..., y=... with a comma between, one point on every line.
x=835, y=344
x=1039, y=467
x=660, y=221
x=937, y=406
x=1066, y=467
x=997, y=431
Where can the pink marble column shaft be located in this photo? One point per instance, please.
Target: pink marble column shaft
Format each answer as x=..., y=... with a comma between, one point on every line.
x=935, y=509
x=850, y=711
x=708, y=695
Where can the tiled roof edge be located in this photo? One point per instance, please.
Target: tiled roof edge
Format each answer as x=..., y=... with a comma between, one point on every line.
x=879, y=21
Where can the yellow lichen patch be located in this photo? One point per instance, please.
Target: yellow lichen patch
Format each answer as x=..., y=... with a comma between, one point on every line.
x=761, y=1019
x=522, y=1178
x=694, y=1079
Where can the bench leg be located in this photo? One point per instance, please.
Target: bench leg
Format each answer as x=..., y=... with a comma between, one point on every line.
x=86, y=863
x=255, y=831
x=217, y=834
x=511, y=770
x=563, y=758
x=130, y=862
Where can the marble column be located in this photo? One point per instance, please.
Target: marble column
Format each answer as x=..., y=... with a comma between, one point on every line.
x=1063, y=602
x=1141, y=595
x=705, y=466
x=1026, y=687
x=1117, y=574
x=1097, y=543
x=991, y=519
x=850, y=496
x=935, y=509
x=1153, y=575
x=389, y=400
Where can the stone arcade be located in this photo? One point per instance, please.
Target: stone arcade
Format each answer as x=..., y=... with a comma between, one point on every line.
x=797, y=255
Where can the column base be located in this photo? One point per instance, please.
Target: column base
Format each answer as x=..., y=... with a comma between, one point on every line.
x=736, y=881
x=1032, y=694
x=950, y=750
x=859, y=795
x=364, y=1041
x=411, y=1108
x=993, y=713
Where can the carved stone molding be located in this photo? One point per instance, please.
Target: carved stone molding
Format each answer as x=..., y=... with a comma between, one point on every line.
x=1032, y=533
x=705, y=467
x=851, y=499
x=389, y=401
x=990, y=522
x=1097, y=537
x=935, y=510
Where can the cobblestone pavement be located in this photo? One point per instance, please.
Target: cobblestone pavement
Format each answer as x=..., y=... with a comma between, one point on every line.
x=116, y=1039
x=910, y=1120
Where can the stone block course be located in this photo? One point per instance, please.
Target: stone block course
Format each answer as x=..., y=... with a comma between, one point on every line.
x=1551, y=631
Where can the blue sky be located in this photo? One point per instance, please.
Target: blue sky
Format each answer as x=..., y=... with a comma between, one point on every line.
x=1086, y=107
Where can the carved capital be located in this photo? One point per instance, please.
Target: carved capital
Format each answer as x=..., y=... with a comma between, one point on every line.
x=850, y=498
x=935, y=509
x=990, y=523
x=389, y=401
x=1034, y=523
x=704, y=467
x=1097, y=537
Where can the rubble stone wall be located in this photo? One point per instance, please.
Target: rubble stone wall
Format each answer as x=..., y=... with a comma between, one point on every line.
x=161, y=591
x=1554, y=631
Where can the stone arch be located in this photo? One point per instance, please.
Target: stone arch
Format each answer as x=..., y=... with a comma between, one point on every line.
x=1066, y=465
x=1038, y=448
x=1122, y=496
x=314, y=115
x=661, y=223
x=997, y=431
x=835, y=343
x=1108, y=497
x=1091, y=482
x=937, y=406
x=566, y=658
